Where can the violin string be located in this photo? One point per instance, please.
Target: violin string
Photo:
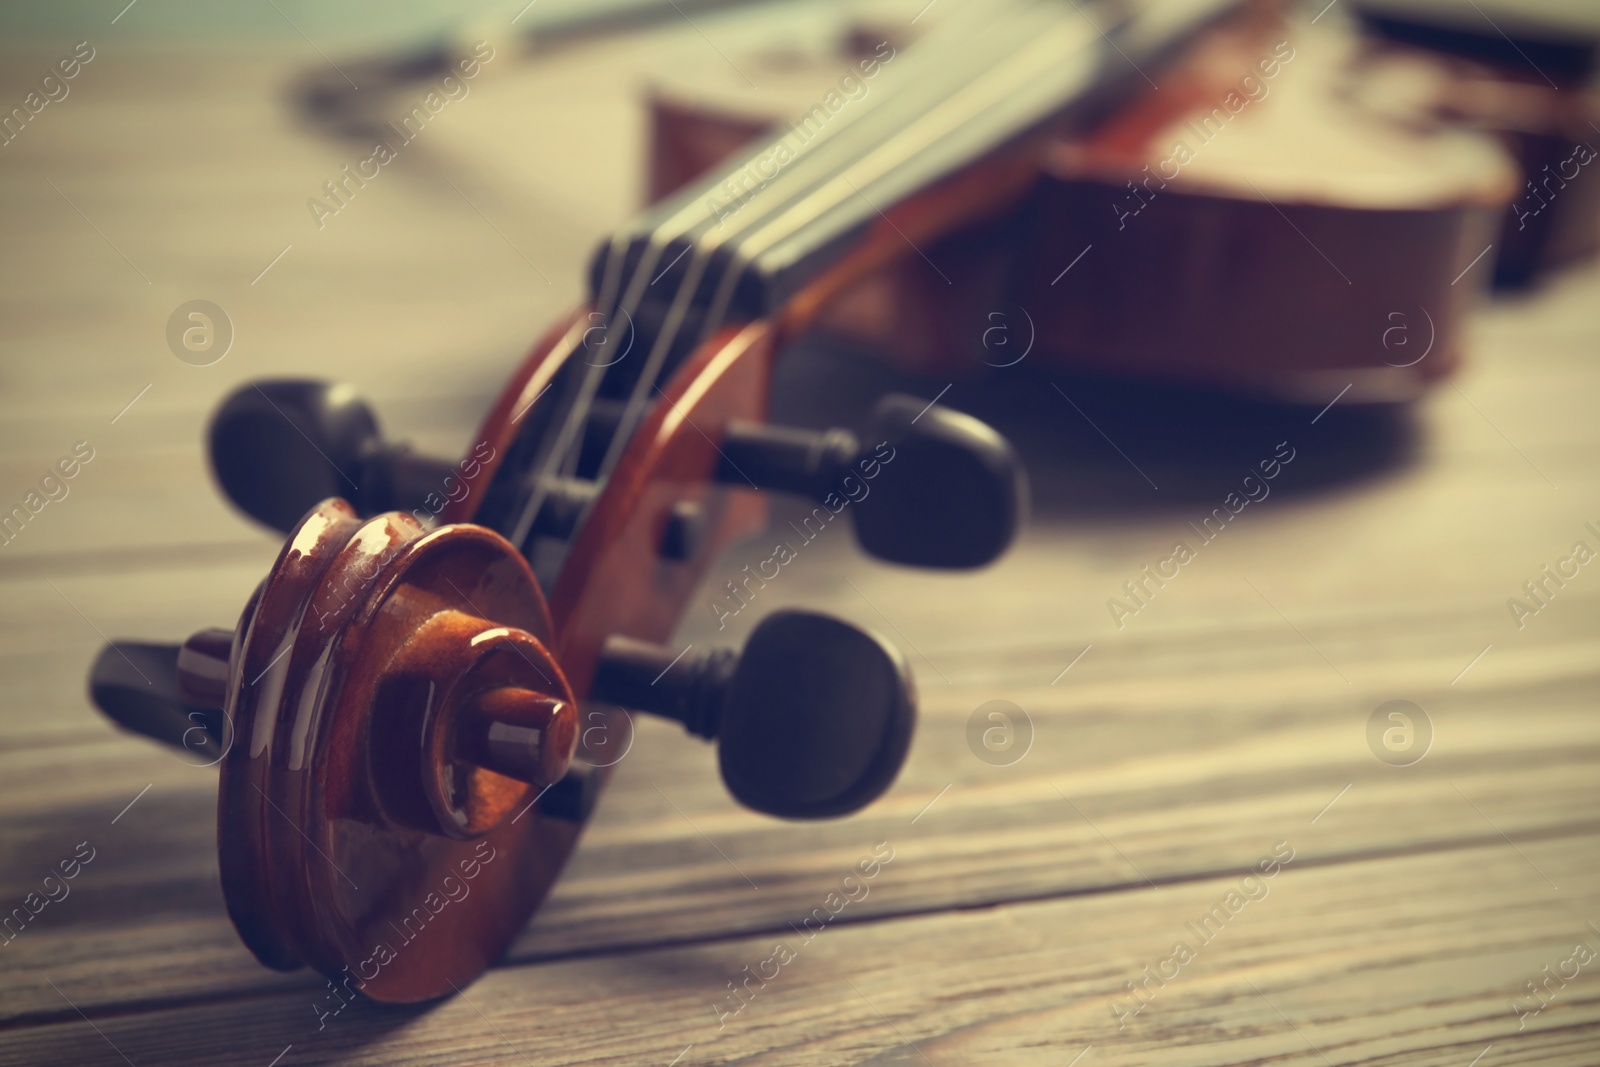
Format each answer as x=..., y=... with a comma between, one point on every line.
x=858, y=177
x=561, y=452
x=693, y=216
x=704, y=248
x=1057, y=61
x=657, y=241
x=576, y=406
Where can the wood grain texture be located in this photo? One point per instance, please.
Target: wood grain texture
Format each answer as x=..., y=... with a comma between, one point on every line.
x=1220, y=719
x=1408, y=959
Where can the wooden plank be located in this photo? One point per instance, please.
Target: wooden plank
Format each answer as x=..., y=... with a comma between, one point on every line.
x=1405, y=959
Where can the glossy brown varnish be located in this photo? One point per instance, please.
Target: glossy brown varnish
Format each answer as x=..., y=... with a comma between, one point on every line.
x=324, y=860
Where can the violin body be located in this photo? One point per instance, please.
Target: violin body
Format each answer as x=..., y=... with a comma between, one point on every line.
x=1248, y=228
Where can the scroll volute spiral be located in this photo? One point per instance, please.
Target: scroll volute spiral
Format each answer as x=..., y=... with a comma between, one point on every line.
x=394, y=711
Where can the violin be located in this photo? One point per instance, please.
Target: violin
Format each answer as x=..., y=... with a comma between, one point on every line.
x=434, y=681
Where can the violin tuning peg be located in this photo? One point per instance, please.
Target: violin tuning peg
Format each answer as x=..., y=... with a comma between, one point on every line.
x=813, y=718
x=816, y=718
x=279, y=447
x=928, y=486
x=954, y=494
x=142, y=688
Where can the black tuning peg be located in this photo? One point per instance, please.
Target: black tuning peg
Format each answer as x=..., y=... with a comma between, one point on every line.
x=279, y=447
x=141, y=688
x=928, y=486
x=175, y=694
x=813, y=719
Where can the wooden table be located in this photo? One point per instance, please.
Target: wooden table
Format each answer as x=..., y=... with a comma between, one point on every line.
x=1030, y=912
